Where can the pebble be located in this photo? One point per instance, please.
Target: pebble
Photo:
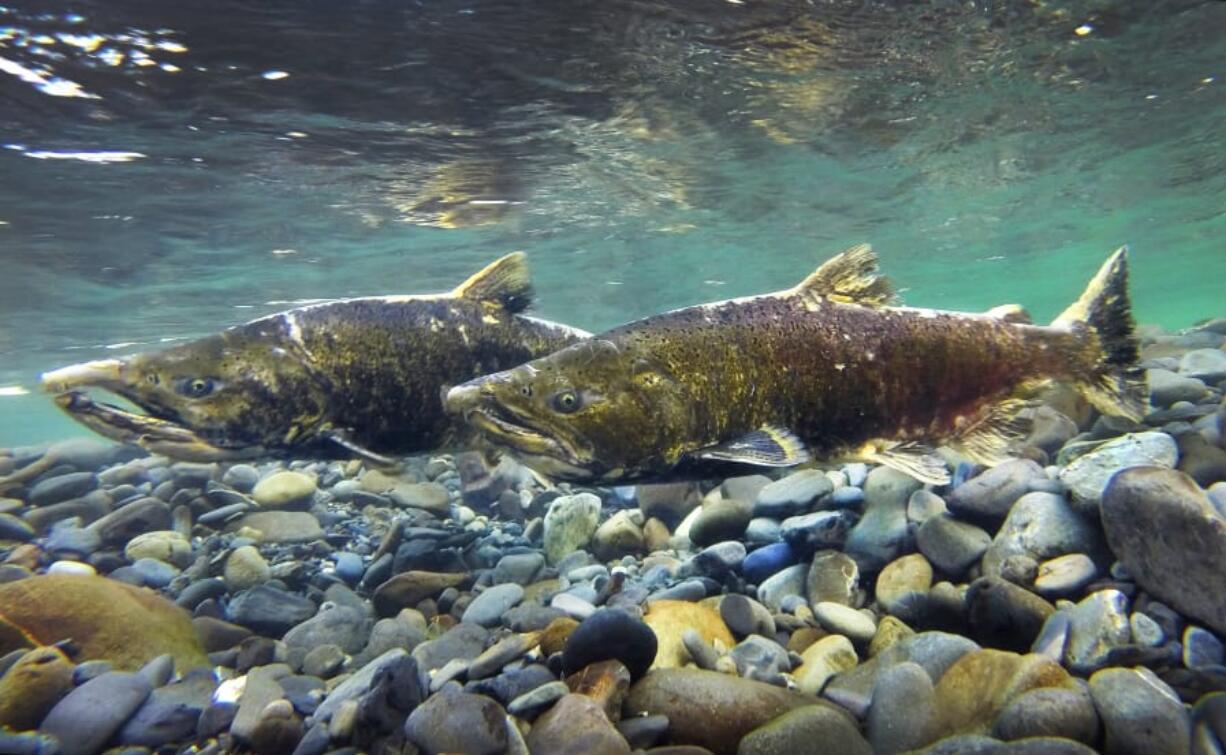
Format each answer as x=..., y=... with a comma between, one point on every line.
x=86, y=719
x=823, y=659
x=281, y=526
x=1140, y=713
x=171, y=713
x=758, y=658
x=1201, y=648
x=792, y=495
x=61, y=488
x=500, y=654
x=746, y=616
x=881, y=533
x=1184, y=566
x=669, y=620
x=349, y=567
x=973, y=692
x=359, y=682
x=923, y=505
x=950, y=545
x=347, y=628
x=575, y=724
x=903, y=711
x=164, y=545
x=841, y=619
x=1001, y=614
x=1208, y=365
x=1097, y=624
x=245, y=568
x=1086, y=476
x=760, y=564
x=284, y=489
x=13, y=528
x=808, y=533
x=71, y=567
x=1166, y=387
x=1065, y=575
x=813, y=729
x=720, y=559
x=991, y=495
x=724, y=519
x=427, y=496
x=903, y=585
x=790, y=582
x=1145, y=631
x=763, y=531
x=569, y=524
x=32, y=686
x=241, y=477
x=833, y=577
x=669, y=502
x=1041, y=526
x=455, y=721
x=270, y=610
x=529, y=704
x=488, y=607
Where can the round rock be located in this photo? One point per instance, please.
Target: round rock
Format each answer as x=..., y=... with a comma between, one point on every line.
x=610, y=634
x=282, y=489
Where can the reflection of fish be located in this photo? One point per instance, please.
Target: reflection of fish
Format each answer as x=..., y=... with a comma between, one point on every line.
x=826, y=367
x=359, y=375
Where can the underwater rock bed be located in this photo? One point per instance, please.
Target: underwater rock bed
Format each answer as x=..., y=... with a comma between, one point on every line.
x=1070, y=600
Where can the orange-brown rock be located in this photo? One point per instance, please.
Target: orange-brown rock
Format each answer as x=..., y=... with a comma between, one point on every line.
x=555, y=635
x=670, y=618
x=606, y=682
x=409, y=588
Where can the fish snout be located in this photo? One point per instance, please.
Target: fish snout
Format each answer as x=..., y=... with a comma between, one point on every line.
x=465, y=397
x=102, y=373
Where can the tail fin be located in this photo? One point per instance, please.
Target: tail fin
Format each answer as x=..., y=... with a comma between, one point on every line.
x=1114, y=384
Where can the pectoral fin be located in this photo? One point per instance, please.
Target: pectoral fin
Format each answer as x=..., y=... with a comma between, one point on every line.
x=914, y=459
x=988, y=439
x=504, y=282
x=768, y=446
x=340, y=438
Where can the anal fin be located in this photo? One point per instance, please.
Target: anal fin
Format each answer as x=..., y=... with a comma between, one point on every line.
x=341, y=439
x=768, y=446
x=989, y=438
x=916, y=460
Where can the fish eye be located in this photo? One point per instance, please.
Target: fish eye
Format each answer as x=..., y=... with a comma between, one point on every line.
x=566, y=402
x=525, y=391
x=196, y=387
x=152, y=378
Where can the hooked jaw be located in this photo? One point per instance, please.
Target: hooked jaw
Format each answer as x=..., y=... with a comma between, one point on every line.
x=103, y=373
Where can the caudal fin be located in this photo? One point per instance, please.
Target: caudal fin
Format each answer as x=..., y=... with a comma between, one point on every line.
x=1113, y=384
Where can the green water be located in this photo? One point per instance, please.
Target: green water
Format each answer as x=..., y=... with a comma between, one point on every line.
x=658, y=157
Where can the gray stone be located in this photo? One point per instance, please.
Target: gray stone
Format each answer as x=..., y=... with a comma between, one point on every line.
x=520, y=568
x=1003, y=615
x=1145, y=631
x=132, y=519
x=532, y=703
x=779, y=586
x=269, y=610
x=261, y=689
x=720, y=520
x=61, y=488
x=763, y=530
x=879, y=536
x=1165, y=387
x=429, y=496
x=991, y=494
x=1170, y=538
x=809, y=730
x=934, y=651
x=241, y=477
x=1088, y=474
x=1140, y=713
x=487, y=609
x=841, y=619
x=569, y=524
x=1208, y=365
x=746, y=616
x=1065, y=575
x=792, y=495
x=744, y=488
x=1041, y=526
x=323, y=661
x=1201, y=648
x=498, y=655
x=1050, y=430
x=902, y=715
x=1097, y=624
x=86, y=719
x=833, y=577
x=358, y=683
x=171, y=713
x=465, y=641
x=952, y=546
x=345, y=627
x=720, y=559
x=923, y=505
x=282, y=526
x=455, y=721
x=759, y=658
x=1049, y=712
x=817, y=531
x=12, y=528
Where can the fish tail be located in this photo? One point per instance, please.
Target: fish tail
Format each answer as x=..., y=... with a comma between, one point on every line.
x=1109, y=377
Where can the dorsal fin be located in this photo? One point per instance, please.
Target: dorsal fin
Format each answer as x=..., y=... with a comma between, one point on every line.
x=1014, y=313
x=504, y=282
x=850, y=277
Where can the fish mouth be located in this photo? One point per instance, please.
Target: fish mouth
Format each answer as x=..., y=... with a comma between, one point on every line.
x=504, y=426
x=157, y=430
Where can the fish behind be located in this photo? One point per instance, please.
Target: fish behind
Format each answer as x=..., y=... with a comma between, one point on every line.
x=348, y=377
x=827, y=369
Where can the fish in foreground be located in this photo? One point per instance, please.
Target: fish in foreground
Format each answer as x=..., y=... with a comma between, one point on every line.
x=827, y=369
x=359, y=376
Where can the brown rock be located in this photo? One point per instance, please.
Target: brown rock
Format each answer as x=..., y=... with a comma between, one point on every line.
x=670, y=618
x=553, y=639
x=979, y=685
x=606, y=682
x=710, y=709
x=575, y=725
x=618, y=536
x=32, y=687
x=409, y=588
x=655, y=535
x=670, y=503
x=106, y=619
x=216, y=634
x=128, y=521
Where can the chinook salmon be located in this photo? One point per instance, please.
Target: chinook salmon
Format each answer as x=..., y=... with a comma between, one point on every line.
x=827, y=369
x=354, y=376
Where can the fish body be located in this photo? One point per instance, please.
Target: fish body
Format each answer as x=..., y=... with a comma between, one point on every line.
x=826, y=369
x=356, y=376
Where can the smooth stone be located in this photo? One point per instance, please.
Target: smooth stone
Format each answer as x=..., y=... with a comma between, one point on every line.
x=533, y=702
x=12, y=528
x=242, y=477
x=822, y=660
x=261, y=689
x=611, y=634
x=569, y=524
x=463, y=641
x=763, y=531
x=1087, y=476
x=644, y=731
x=881, y=533
x=282, y=489
x=1183, y=567
x=171, y=713
x=819, y=530
x=32, y=686
x=991, y=495
x=810, y=730
x=1166, y=387
x=500, y=654
x=1041, y=526
x=282, y=526
x=520, y=568
x=903, y=712
x=67, y=540
x=978, y=686
x=1001, y=614
x=760, y=564
x=246, y=568
x=669, y=502
x=789, y=582
x=407, y=589
x=132, y=519
x=935, y=651
x=708, y=708
x=572, y=605
x=841, y=619
x=833, y=577
x=758, y=658
x=1202, y=462
x=575, y=724
x=347, y=628
x=72, y=568
x=744, y=488
x=746, y=616
x=1140, y=713
x=1208, y=365
x=165, y=545
x=61, y=488
x=1097, y=625
x=1050, y=429
x=1201, y=648
x=323, y=661
x=923, y=505
x=792, y=495
x=847, y=497
x=950, y=545
x=1145, y=631
x=1050, y=712
x=617, y=537
x=359, y=682
x=721, y=520
x=669, y=619
x=487, y=608
x=890, y=631
x=1053, y=637
x=1065, y=575
x=86, y=719
x=429, y=496
x=720, y=559
x=455, y=721
x=903, y=585
x=269, y=610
